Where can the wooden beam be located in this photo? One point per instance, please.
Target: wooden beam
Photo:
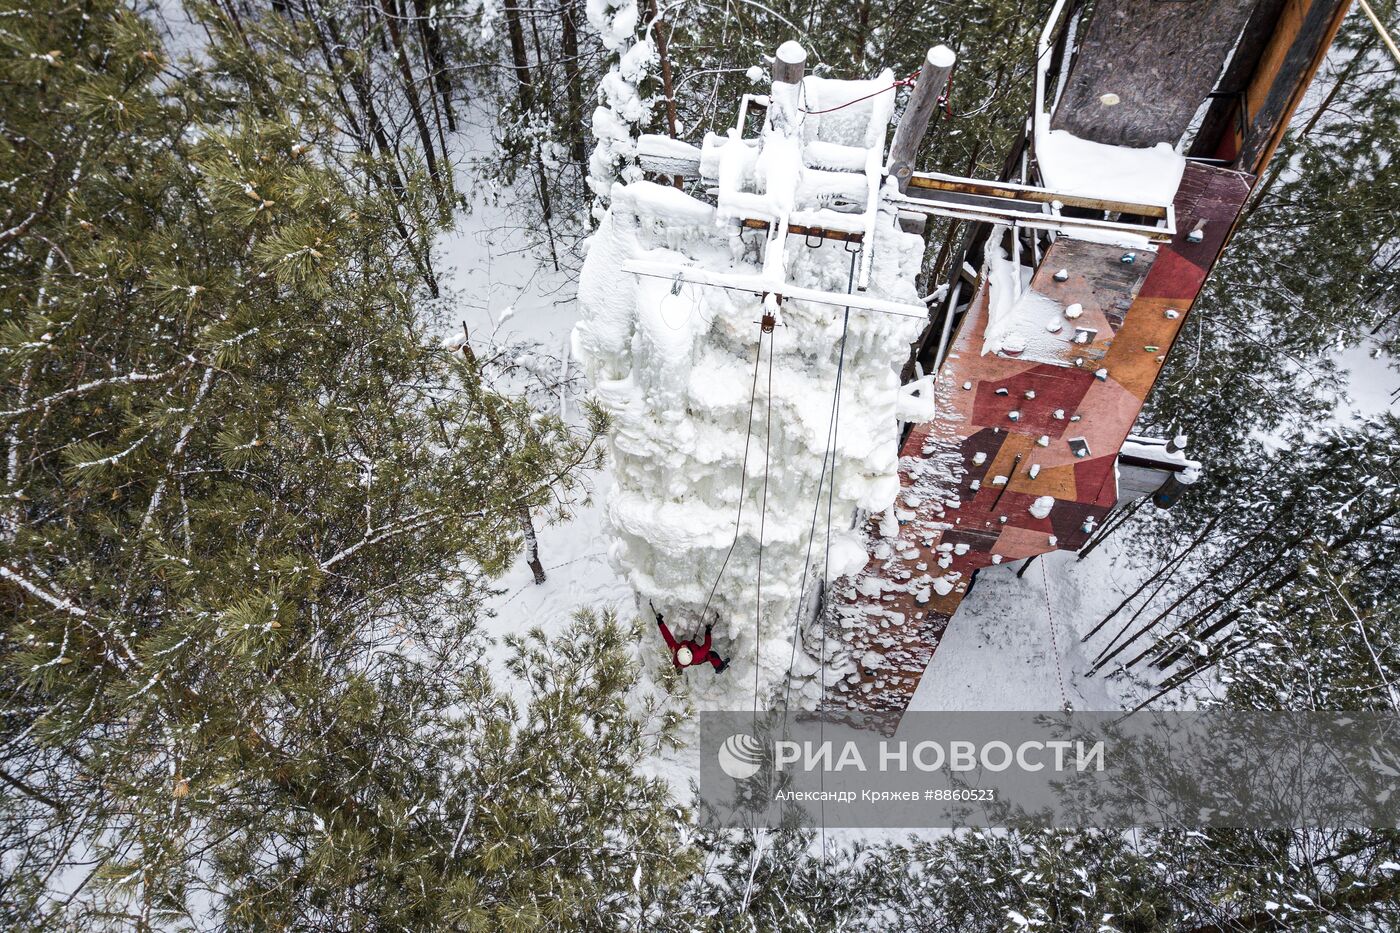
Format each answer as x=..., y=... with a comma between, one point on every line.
x=1301, y=39
x=799, y=230
x=1025, y=218
x=1223, y=119
x=789, y=64
x=913, y=123
x=932, y=181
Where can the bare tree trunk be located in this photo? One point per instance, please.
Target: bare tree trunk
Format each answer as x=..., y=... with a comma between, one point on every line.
x=520, y=57
x=432, y=48
x=573, y=84
x=478, y=392
x=663, y=33
x=415, y=108
x=1167, y=568
x=532, y=545
x=1109, y=527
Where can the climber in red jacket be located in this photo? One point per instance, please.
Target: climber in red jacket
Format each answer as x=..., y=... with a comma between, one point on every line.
x=688, y=653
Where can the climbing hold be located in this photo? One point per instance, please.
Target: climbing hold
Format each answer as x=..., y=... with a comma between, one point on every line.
x=1054, y=540
x=1062, y=275
x=1014, y=415
x=979, y=458
x=1058, y=414
x=1128, y=259
x=1034, y=471
x=1030, y=393
x=1054, y=327
x=1110, y=99
x=967, y=385
x=1074, y=310
x=1196, y=236
x=996, y=558
x=1074, y=417
x=1003, y=391
x=1043, y=440
x=1101, y=375
x=1152, y=348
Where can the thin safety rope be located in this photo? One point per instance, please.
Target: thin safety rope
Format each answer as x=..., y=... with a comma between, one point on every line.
x=826, y=563
x=899, y=82
x=756, y=856
x=743, y=477
x=816, y=509
x=762, y=520
x=1054, y=642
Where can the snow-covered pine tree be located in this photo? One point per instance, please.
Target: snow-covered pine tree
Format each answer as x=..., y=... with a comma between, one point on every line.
x=249, y=519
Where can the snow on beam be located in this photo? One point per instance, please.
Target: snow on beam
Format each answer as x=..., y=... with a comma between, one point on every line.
x=1116, y=231
x=1011, y=191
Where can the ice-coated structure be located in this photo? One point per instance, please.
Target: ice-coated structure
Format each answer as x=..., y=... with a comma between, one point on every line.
x=684, y=369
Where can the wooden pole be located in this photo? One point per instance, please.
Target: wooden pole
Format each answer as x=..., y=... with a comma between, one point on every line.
x=790, y=63
x=933, y=78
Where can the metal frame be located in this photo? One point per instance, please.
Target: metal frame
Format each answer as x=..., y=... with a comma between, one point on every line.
x=766, y=287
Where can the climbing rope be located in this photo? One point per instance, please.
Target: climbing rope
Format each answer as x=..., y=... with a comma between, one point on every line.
x=1054, y=642
x=826, y=563
x=743, y=476
x=827, y=454
x=762, y=521
x=898, y=83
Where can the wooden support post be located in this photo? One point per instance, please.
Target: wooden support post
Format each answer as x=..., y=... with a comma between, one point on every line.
x=790, y=63
x=933, y=77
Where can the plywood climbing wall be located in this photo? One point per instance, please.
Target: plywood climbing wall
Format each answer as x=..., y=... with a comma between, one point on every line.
x=981, y=485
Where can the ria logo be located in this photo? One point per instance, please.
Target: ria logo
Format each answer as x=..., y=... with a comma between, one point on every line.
x=741, y=756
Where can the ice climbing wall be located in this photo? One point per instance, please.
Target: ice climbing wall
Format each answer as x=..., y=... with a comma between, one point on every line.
x=690, y=381
x=1036, y=398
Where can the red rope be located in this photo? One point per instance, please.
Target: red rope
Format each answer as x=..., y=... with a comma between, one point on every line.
x=899, y=82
